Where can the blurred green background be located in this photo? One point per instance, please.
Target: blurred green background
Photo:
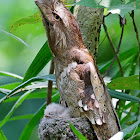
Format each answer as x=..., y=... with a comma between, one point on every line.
x=16, y=57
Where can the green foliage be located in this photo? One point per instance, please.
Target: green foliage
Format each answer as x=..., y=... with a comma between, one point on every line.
x=26, y=133
x=2, y=136
x=2, y=73
x=115, y=7
x=16, y=105
x=15, y=37
x=120, y=135
x=28, y=20
x=77, y=133
x=40, y=61
x=88, y=3
x=131, y=82
x=123, y=96
x=33, y=122
x=122, y=9
x=32, y=87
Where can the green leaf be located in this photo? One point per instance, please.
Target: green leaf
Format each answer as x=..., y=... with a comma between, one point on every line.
x=40, y=94
x=120, y=135
x=15, y=37
x=38, y=85
x=125, y=57
x=22, y=117
x=136, y=2
x=115, y=2
x=50, y=77
x=26, y=133
x=5, y=91
x=128, y=53
x=2, y=136
x=10, y=86
x=16, y=105
x=121, y=9
x=131, y=83
x=3, y=73
x=28, y=20
x=89, y=3
x=123, y=96
x=76, y=132
x=133, y=64
x=68, y=3
x=40, y=61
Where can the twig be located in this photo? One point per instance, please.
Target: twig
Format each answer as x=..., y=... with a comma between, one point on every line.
x=102, y=41
x=137, y=36
x=133, y=136
x=113, y=47
x=138, y=111
x=50, y=83
x=107, y=14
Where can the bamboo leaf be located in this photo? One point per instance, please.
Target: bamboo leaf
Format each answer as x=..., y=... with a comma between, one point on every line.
x=26, y=133
x=5, y=91
x=10, y=86
x=76, y=132
x=125, y=58
x=2, y=136
x=16, y=105
x=3, y=73
x=50, y=77
x=15, y=37
x=120, y=135
x=40, y=61
x=40, y=94
x=22, y=117
x=123, y=96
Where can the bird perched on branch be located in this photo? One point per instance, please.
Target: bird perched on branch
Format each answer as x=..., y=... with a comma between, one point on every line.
x=78, y=79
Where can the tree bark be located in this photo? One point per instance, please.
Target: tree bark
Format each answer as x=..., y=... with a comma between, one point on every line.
x=90, y=20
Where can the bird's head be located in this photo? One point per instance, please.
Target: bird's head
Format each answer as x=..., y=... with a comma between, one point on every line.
x=62, y=28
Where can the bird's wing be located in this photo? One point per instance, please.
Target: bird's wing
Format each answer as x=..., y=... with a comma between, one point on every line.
x=96, y=103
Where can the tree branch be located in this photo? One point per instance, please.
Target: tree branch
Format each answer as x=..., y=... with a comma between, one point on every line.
x=50, y=84
x=112, y=45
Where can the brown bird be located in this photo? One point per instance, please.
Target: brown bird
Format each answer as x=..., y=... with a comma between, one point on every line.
x=78, y=79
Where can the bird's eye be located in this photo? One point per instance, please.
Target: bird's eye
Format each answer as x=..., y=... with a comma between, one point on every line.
x=57, y=3
x=56, y=16
x=50, y=113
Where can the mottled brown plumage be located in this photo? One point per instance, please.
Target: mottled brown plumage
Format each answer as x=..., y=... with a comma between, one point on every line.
x=78, y=79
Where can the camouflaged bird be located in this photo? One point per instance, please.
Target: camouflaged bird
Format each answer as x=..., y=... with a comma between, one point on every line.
x=78, y=79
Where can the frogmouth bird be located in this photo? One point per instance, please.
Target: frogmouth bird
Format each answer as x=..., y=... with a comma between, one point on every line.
x=78, y=79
